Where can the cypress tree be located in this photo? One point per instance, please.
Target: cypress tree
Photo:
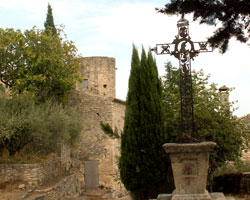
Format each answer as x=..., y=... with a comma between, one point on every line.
x=49, y=23
x=143, y=163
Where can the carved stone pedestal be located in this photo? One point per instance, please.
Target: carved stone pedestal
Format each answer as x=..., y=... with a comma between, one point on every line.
x=190, y=166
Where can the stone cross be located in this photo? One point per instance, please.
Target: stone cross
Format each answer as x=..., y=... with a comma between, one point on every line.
x=184, y=49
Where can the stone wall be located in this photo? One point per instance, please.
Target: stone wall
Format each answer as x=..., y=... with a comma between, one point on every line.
x=100, y=75
x=95, y=101
x=245, y=120
x=92, y=109
x=118, y=122
x=234, y=183
x=67, y=188
x=30, y=173
x=118, y=111
x=33, y=174
x=94, y=144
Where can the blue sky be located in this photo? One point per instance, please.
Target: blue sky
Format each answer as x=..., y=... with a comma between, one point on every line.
x=110, y=27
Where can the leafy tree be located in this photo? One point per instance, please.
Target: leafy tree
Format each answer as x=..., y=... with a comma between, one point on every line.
x=142, y=164
x=214, y=122
x=37, y=62
x=234, y=16
x=49, y=23
x=41, y=127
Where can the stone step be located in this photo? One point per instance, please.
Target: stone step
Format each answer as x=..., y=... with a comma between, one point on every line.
x=36, y=196
x=214, y=196
x=93, y=192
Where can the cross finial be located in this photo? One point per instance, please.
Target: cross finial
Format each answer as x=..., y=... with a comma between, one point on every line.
x=182, y=15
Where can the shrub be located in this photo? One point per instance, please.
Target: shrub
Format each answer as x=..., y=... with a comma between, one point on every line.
x=40, y=127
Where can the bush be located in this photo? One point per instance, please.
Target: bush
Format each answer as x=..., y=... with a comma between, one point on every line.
x=40, y=127
x=236, y=167
x=228, y=183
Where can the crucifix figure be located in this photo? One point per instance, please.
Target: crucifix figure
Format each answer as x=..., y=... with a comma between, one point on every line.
x=184, y=49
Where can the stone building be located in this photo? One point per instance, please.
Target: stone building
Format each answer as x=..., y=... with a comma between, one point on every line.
x=245, y=120
x=95, y=100
x=224, y=91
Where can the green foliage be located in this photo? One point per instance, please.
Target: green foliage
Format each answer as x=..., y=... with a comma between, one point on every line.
x=49, y=23
x=233, y=15
x=37, y=62
x=41, y=127
x=25, y=156
x=234, y=168
x=107, y=129
x=142, y=164
x=213, y=119
x=2, y=91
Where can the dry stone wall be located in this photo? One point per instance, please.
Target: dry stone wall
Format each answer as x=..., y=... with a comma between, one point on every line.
x=68, y=188
x=33, y=174
x=30, y=173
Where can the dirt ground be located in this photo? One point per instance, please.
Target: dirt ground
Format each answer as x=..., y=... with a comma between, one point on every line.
x=241, y=196
x=11, y=191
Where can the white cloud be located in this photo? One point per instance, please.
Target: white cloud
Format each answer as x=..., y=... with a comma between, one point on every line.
x=129, y=23
x=36, y=8
x=28, y=5
x=108, y=28
x=142, y=25
x=91, y=49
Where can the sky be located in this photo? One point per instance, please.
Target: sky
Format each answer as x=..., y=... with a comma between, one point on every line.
x=110, y=28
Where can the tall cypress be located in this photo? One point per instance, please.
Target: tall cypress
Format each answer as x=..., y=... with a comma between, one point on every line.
x=49, y=23
x=143, y=163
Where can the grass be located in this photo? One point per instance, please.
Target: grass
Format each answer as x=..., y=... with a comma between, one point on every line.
x=25, y=158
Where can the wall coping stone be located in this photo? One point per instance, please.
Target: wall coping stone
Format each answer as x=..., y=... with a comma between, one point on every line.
x=189, y=147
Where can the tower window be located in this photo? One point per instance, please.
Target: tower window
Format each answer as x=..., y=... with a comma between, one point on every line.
x=105, y=86
x=119, y=126
x=85, y=83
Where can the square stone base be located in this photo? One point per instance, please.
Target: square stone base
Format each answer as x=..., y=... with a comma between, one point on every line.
x=191, y=197
x=208, y=196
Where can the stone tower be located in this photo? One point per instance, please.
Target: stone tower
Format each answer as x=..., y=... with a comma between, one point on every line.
x=224, y=91
x=98, y=75
x=95, y=101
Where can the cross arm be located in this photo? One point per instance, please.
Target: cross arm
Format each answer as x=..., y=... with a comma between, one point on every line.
x=203, y=47
x=162, y=48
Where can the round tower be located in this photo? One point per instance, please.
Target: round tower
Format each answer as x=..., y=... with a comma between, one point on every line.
x=98, y=75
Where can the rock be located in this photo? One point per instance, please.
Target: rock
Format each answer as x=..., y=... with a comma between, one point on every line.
x=21, y=186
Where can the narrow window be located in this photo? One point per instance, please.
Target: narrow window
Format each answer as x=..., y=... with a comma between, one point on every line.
x=119, y=126
x=85, y=83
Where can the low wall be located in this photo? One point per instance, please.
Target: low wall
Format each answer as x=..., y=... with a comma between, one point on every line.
x=69, y=187
x=33, y=174
x=235, y=183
